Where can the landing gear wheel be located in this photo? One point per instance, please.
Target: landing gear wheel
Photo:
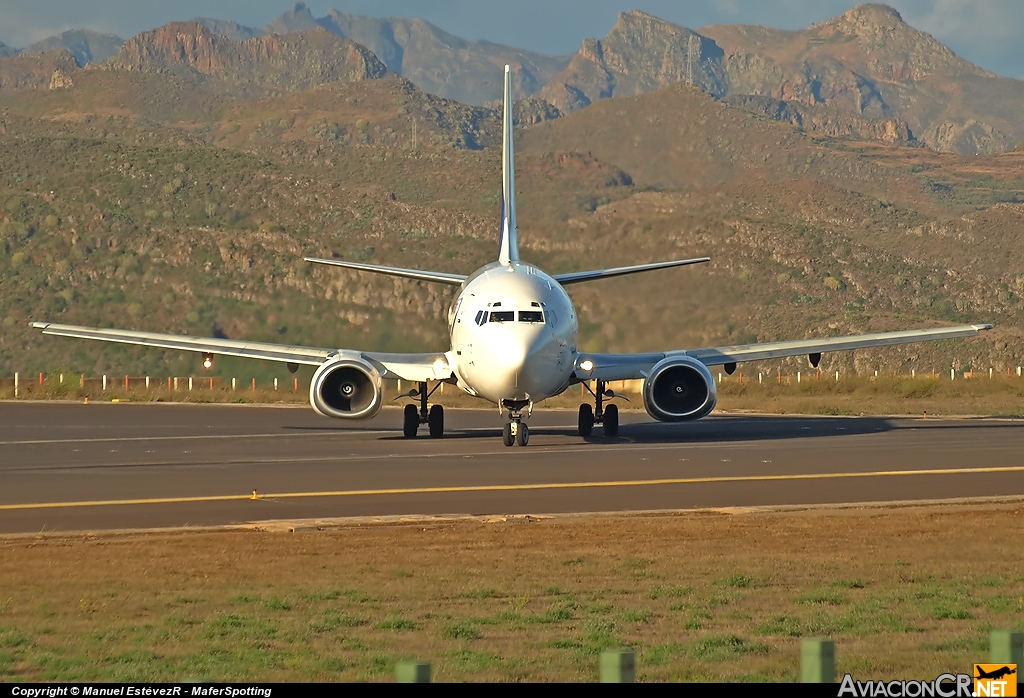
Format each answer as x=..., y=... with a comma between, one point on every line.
x=436, y=421
x=586, y=420
x=611, y=421
x=411, y=421
x=507, y=437
x=522, y=435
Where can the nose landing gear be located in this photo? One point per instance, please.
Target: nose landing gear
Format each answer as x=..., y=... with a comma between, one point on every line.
x=608, y=416
x=515, y=431
x=432, y=417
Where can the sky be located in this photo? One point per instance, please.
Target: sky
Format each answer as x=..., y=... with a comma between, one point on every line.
x=986, y=32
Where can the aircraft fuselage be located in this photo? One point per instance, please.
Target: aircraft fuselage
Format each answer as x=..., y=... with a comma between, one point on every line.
x=513, y=332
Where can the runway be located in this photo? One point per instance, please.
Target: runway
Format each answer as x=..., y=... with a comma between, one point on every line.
x=73, y=467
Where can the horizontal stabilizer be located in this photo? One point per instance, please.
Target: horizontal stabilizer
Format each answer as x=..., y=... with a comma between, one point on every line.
x=579, y=276
x=435, y=276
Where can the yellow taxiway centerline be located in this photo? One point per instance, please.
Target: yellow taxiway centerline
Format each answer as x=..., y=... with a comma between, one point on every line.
x=514, y=488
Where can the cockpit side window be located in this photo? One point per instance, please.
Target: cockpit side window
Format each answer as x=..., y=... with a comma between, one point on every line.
x=503, y=316
x=531, y=316
x=481, y=317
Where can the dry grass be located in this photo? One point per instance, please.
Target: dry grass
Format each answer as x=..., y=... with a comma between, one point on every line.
x=700, y=596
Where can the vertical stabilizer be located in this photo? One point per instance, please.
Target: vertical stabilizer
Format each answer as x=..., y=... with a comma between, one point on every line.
x=508, y=251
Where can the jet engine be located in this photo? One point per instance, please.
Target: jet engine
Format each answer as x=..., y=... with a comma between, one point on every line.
x=346, y=389
x=679, y=388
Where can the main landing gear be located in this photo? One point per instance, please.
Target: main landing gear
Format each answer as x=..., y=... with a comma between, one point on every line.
x=515, y=431
x=608, y=416
x=414, y=417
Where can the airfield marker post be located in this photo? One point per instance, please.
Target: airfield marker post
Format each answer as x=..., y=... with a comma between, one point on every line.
x=759, y=378
x=147, y=382
x=296, y=386
x=817, y=661
x=254, y=384
x=233, y=384
x=1006, y=647
x=40, y=379
x=1018, y=371
x=104, y=382
x=126, y=382
x=837, y=376
x=952, y=374
x=190, y=384
x=275, y=384
x=15, y=384
x=175, y=383
x=412, y=672
x=618, y=666
x=81, y=382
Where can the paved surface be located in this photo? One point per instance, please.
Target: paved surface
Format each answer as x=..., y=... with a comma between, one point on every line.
x=105, y=466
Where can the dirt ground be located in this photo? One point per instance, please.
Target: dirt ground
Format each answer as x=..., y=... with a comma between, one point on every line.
x=905, y=592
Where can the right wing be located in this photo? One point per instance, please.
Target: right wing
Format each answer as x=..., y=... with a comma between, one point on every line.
x=436, y=276
x=410, y=367
x=607, y=367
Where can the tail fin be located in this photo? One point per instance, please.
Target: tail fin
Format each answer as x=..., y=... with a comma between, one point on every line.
x=508, y=250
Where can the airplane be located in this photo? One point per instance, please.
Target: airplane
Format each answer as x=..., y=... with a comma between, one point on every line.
x=514, y=342
x=995, y=673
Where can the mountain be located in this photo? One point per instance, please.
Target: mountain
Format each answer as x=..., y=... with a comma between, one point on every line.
x=640, y=54
x=436, y=61
x=232, y=30
x=6, y=51
x=37, y=71
x=867, y=62
x=269, y=63
x=87, y=46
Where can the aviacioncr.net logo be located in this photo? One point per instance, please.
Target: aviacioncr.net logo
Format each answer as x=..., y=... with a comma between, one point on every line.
x=945, y=686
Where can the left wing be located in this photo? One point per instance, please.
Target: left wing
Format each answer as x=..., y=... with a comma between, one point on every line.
x=578, y=276
x=410, y=367
x=608, y=367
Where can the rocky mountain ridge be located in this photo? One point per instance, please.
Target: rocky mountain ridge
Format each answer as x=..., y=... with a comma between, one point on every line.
x=867, y=62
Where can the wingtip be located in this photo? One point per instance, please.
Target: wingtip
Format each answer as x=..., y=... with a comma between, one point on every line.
x=39, y=325
x=508, y=68
x=986, y=326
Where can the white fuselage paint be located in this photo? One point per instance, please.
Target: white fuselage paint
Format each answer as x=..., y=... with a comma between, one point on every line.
x=512, y=360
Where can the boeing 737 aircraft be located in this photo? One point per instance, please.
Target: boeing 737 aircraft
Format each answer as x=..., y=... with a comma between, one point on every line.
x=514, y=337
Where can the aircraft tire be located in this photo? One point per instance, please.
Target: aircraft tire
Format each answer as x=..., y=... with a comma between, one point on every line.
x=522, y=435
x=586, y=423
x=411, y=421
x=435, y=419
x=506, y=435
x=611, y=421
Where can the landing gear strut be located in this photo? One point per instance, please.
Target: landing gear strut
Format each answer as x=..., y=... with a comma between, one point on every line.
x=432, y=417
x=515, y=431
x=599, y=414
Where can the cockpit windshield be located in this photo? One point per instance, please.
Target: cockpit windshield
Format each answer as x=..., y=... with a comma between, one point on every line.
x=503, y=316
x=531, y=316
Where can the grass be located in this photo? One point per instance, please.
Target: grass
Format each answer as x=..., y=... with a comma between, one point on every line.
x=493, y=602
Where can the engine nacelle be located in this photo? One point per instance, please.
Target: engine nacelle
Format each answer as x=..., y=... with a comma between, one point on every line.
x=679, y=388
x=346, y=389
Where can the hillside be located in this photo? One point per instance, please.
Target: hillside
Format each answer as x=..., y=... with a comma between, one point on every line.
x=129, y=201
x=867, y=62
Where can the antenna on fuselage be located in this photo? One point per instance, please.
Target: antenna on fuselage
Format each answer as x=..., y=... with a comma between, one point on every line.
x=508, y=249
